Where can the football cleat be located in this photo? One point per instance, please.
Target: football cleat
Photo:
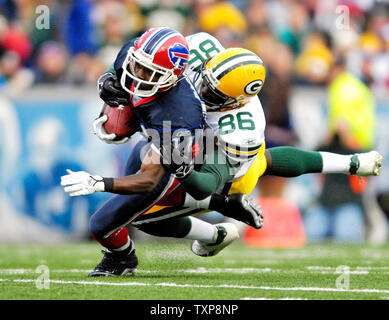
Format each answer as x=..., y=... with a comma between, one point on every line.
x=238, y=206
x=226, y=233
x=366, y=164
x=114, y=264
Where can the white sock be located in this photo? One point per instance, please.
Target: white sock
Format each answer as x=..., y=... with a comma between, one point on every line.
x=198, y=204
x=335, y=163
x=202, y=231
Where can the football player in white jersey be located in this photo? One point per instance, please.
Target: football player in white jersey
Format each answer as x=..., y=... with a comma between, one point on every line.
x=228, y=81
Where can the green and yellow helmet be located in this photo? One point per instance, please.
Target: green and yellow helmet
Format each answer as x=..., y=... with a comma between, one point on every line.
x=230, y=78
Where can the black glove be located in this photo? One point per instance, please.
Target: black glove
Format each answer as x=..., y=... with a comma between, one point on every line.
x=238, y=206
x=111, y=91
x=179, y=159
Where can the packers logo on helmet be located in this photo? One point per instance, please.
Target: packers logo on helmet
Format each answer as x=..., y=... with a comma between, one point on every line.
x=230, y=78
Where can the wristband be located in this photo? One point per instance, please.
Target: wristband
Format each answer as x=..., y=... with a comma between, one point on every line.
x=108, y=184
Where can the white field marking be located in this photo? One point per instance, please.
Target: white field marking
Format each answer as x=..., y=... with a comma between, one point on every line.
x=26, y=271
x=340, y=272
x=357, y=268
x=230, y=270
x=23, y=271
x=289, y=254
x=333, y=268
x=267, y=261
x=224, y=286
x=374, y=254
x=202, y=270
x=372, y=268
x=97, y=283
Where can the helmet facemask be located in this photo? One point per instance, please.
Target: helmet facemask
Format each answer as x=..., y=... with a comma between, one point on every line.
x=214, y=99
x=158, y=77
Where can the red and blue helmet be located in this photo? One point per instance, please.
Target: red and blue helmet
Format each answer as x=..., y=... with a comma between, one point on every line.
x=164, y=52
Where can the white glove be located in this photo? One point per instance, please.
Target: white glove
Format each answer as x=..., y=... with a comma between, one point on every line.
x=369, y=163
x=99, y=130
x=82, y=183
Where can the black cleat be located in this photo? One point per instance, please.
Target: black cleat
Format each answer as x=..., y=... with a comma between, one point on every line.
x=238, y=206
x=114, y=264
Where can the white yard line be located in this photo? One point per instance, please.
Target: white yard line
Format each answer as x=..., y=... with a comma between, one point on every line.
x=357, y=268
x=230, y=270
x=224, y=286
x=27, y=271
x=203, y=270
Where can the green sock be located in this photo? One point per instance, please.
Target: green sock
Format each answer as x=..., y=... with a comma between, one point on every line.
x=293, y=162
x=175, y=228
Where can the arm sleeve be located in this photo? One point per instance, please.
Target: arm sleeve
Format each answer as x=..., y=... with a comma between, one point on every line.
x=293, y=162
x=212, y=176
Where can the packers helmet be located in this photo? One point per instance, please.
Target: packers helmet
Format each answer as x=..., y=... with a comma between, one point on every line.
x=230, y=78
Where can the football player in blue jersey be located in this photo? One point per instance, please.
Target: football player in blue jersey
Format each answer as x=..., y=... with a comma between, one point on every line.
x=147, y=77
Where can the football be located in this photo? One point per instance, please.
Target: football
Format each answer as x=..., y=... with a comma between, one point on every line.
x=121, y=121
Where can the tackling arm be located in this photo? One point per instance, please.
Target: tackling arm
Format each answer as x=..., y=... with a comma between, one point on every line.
x=213, y=175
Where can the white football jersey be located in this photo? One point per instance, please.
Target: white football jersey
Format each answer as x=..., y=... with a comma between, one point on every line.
x=241, y=131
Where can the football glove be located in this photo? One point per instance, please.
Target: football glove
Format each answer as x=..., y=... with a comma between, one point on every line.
x=179, y=159
x=238, y=206
x=366, y=164
x=99, y=130
x=111, y=91
x=82, y=183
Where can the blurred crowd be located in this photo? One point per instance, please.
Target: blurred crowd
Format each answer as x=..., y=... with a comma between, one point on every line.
x=73, y=42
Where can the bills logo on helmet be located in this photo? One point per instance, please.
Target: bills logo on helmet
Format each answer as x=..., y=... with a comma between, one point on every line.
x=253, y=87
x=179, y=55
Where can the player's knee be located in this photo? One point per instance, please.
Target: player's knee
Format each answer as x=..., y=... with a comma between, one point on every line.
x=96, y=228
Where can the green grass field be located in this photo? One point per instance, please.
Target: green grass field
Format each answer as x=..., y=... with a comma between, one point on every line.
x=170, y=271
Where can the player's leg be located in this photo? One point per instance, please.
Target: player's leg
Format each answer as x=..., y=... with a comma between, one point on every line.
x=107, y=224
x=293, y=162
x=208, y=239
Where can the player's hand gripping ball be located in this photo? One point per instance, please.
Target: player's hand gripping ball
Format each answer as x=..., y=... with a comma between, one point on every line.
x=116, y=124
